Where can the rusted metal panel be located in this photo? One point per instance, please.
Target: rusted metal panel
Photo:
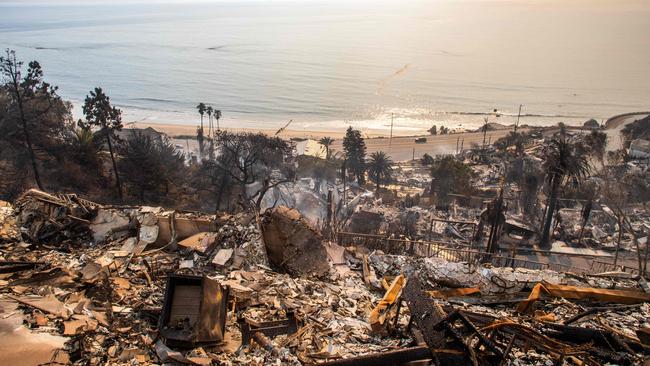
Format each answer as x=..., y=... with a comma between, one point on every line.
x=194, y=311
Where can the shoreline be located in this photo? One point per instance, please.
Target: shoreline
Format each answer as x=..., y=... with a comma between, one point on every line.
x=336, y=128
x=174, y=130
x=179, y=131
x=402, y=147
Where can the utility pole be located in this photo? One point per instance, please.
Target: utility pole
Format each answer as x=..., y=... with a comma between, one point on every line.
x=518, y=116
x=344, y=174
x=390, y=141
x=457, y=142
x=413, y=153
x=485, y=127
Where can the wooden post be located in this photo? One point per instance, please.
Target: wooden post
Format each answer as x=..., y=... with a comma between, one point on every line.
x=390, y=141
x=518, y=115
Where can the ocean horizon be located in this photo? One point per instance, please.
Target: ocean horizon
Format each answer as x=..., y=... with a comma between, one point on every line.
x=327, y=65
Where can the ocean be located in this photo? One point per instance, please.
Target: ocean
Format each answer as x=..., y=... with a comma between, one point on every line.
x=329, y=64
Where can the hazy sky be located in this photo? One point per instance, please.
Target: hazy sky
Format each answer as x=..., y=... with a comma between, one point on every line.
x=601, y=2
x=635, y=4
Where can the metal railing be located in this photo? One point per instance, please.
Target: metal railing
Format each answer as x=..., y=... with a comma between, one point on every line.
x=452, y=252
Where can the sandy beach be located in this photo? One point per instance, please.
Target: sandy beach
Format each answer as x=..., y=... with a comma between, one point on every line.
x=400, y=149
x=174, y=130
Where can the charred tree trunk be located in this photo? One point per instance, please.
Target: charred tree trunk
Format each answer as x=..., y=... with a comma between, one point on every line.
x=618, y=242
x=117, y=175
x=546, y=233
x=28, y=141
x=220, y=193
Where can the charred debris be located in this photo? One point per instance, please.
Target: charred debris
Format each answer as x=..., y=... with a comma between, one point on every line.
x=448, y=261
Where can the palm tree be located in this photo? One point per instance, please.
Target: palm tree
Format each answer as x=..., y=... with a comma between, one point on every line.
x=85, y=150
x=327, y=142
x=217, y=115
x=209, y=110
x=380, y=168
x=562, y=162
x=199, y=131
x=201, y=108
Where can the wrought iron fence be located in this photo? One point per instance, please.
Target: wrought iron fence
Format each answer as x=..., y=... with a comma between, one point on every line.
x=455, y=252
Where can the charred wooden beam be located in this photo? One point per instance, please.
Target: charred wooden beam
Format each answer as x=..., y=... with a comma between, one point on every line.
x=424, y=312
x=11, y=267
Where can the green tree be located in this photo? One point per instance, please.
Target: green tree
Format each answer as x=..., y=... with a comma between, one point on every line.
x=562, y=162
x=380, y=169
x=355, y=154
x=327, y=142
x=451, y=176
x=30, y=99
x=433, y=130
x=84, y=148
x=99, y=113
x=149, y=166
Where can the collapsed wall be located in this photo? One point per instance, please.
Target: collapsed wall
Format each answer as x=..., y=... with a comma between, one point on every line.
x=292, y=244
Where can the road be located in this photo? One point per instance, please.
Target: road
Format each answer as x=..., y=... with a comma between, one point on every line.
x=402, y=148
x=616, y=124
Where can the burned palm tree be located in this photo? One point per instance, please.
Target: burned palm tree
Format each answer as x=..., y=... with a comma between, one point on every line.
x=562, y=162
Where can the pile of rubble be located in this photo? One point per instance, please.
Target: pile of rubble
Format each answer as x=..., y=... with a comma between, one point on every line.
x=144, y=285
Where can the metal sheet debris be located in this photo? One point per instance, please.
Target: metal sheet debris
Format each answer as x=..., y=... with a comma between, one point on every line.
x=324, y=305
x=194, y=311
x=582, y=293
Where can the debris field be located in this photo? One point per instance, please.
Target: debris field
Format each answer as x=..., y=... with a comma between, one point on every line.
x=146, y=285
